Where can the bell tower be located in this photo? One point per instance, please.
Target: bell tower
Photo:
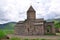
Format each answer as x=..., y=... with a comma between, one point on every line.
x=31, y=13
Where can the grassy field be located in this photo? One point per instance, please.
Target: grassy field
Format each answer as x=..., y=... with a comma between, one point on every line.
x=9, y=31
x=6, y=31
x=17, y=38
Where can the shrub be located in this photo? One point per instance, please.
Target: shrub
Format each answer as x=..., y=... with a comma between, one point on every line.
x=15, y=38
x=26, y=39
x=35, y=39
x=43, y=39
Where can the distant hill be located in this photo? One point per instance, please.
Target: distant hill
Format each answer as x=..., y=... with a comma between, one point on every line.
x=57, y=19
x=49, y=20
x=9, y=25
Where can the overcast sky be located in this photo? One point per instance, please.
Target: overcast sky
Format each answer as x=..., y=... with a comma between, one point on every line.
x=15, y=10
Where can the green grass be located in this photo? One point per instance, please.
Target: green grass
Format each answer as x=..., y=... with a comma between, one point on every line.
x=2, y=34
x=9, y=31
x=6, y=31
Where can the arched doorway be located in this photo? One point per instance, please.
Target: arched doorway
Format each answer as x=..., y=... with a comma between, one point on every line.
x=49, y=29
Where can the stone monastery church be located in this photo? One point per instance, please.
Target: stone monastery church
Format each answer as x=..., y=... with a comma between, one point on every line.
x=33, y=26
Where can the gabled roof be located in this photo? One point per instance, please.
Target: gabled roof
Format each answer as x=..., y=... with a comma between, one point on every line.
x=30, y=9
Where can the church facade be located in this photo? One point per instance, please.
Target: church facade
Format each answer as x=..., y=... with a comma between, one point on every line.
x=33, y=26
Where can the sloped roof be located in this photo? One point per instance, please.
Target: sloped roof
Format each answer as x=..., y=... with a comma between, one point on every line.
x=31, y=9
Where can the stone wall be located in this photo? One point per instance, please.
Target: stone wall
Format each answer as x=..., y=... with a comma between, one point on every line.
x=52, y=28
x=19, y=28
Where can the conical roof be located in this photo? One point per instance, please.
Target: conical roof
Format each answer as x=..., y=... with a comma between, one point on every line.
x=31, y=9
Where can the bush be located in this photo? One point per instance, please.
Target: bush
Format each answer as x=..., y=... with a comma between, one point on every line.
x=2, y=34
x=31, y=39
x=43, y=39
x=26, y=39
x=35, y=39
x=15, y=38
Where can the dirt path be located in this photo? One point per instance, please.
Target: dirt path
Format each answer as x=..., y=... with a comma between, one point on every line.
x=33, y=37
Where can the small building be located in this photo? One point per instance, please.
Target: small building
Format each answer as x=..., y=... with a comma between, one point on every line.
x=33, y=26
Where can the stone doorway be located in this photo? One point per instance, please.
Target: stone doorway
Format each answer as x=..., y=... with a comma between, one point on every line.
x=49, y=29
